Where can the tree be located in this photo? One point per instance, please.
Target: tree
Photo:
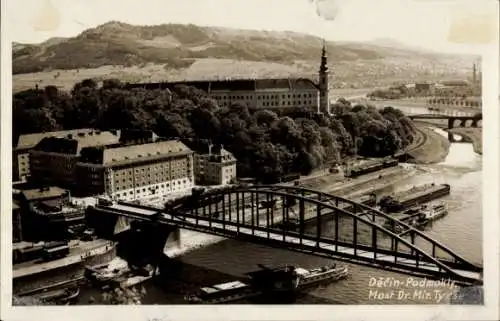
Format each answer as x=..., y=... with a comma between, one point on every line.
x=266, y=143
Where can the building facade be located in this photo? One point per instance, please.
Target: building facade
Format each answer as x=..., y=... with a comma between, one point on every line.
x=217, y=167
x=53, y=160
x=136, y=171
x=262, y=93
x=25, y=143
x=47, y=213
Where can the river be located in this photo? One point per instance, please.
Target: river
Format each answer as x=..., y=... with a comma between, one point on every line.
x=461, y=230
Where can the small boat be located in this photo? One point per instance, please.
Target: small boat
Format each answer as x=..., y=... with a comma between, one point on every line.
x=122, y=276
x=319, y=275
x=434, y=212
x=61, y=296
x=419, y=217
x=276, y=281
x=104, y=273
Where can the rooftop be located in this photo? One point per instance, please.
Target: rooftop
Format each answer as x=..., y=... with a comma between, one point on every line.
x=30, y=140
x=43, y=193
x=124, y=154
x=134, y=152
x=73, y=143
x=219, y=154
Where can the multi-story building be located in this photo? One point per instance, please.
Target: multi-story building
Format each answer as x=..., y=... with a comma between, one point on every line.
x=217, y=167
x=135, y=171
x=262, y=93
x=25, y=143
x=53, y=159
x=47, y=213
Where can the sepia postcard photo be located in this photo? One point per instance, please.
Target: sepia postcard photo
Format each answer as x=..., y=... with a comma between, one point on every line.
x=250, y=160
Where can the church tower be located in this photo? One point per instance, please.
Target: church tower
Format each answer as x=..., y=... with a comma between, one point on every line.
x=324, y=104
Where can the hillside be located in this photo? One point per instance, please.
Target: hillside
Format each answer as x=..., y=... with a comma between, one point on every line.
x=173, y=49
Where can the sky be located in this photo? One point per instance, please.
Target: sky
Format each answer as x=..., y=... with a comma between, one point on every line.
x=420, y=23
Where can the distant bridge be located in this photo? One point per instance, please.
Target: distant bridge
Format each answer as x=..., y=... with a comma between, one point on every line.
x=473, y=120
x=358, y=234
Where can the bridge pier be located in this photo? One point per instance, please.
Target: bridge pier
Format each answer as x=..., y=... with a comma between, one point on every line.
x=451, y=122
x=138, y=242
x=144, y=243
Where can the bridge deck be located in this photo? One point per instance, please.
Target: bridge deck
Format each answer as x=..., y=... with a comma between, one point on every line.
x=310, y=245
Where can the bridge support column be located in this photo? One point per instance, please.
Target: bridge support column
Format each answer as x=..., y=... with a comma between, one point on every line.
x=301, y=219
x=450, y=122
x=146, y=242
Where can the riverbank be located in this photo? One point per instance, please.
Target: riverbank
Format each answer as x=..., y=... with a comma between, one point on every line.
x=433, y=150
x=472, y=135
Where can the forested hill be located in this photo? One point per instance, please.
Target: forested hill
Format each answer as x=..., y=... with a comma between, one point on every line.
x=265, y=143
x=178, y=46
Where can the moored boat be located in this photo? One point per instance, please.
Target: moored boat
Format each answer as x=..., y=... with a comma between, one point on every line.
x=281, y=280
x=59, y=296
x=419, y=217
x=118, y=274
x=48, y=266
x=434, y=212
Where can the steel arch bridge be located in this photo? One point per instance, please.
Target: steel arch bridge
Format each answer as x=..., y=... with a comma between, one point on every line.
x=343, y=229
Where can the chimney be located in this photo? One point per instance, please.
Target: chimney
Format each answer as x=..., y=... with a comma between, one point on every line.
x=210, y=149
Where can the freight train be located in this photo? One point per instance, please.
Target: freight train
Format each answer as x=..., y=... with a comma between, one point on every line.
x=371, y=167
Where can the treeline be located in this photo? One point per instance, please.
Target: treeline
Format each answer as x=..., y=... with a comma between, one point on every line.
x=266, y=143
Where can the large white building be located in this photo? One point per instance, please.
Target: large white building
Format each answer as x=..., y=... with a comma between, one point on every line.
x=136, y=171
x=27, y=142
x=263, y=93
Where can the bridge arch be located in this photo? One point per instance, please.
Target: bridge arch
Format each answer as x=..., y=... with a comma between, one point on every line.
x=325, y=204
x=325, y=197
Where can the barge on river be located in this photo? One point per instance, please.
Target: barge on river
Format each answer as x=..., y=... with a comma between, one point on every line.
x=277, y=281
x=413, y=196
x=47, y=266
x=419, y=217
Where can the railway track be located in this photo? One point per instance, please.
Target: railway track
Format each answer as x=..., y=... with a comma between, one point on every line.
x=420, y=141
